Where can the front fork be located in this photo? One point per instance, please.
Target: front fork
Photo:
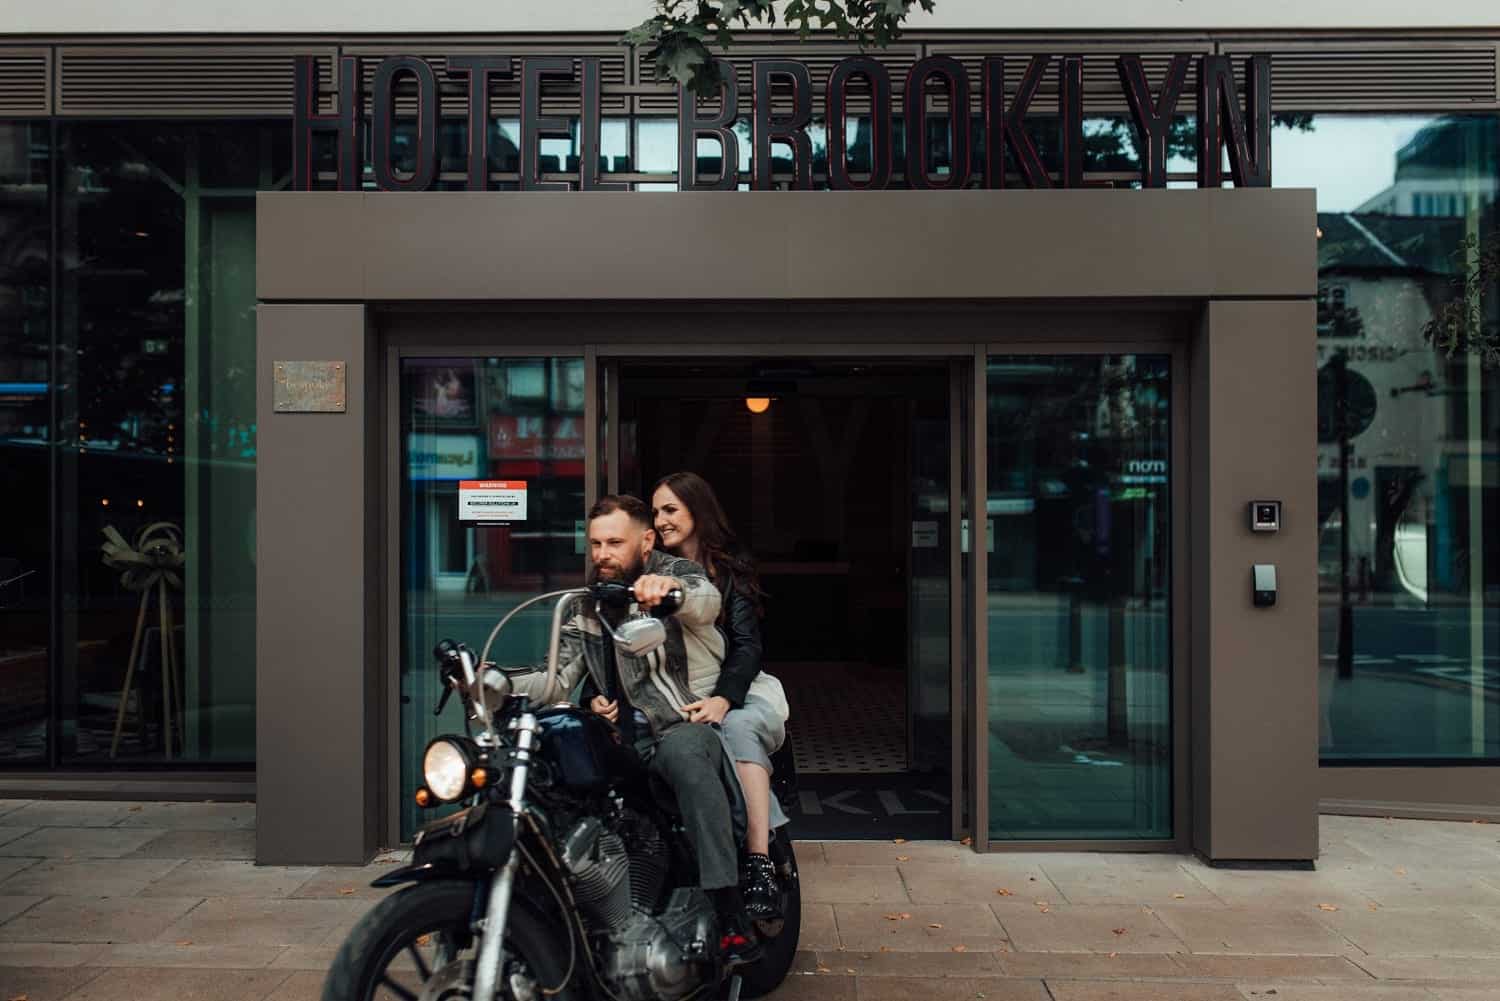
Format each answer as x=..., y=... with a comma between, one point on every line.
x=492, y=927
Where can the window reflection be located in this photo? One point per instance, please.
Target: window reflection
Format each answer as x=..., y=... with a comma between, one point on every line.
x=1077, y=526
x=25, y=382
x=157, y=442
x=513, y=420
x=1408, y=491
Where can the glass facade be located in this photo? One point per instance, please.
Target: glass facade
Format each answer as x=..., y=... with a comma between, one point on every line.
x=139, y=440
x=514, y=420
x=25, y=424
x=1408, y=433
x=1078, y=532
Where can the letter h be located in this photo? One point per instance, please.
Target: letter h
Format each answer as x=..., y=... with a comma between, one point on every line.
x=309, y=122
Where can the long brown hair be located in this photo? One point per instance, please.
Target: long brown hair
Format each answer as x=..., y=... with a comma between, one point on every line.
x=720, y=547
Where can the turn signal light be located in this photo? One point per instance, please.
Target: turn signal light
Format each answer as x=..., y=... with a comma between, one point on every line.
x=480, y=777
x=423, y=797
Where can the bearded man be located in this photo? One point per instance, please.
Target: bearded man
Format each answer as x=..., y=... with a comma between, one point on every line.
x=664, y=686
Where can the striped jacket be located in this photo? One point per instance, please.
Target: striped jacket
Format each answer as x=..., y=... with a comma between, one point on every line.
x=659, y=684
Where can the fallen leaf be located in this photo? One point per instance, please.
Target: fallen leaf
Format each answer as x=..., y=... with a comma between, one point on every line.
x=1118, y=931
x=893, y=917
x=345, y=891
x=960, y=948
x=934, y=926
x=134, y=809
x=1328, y=907
x=1401, y=870
x=823, y=969
x=1004, y=892
x=885, y=948
x=1374, y=907
x=1179, y=896
x=185, y=942
x=898, y=841
x=1114, y=955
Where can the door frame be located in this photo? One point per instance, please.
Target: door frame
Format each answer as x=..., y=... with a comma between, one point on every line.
x=959, y=356
x=394, y=348
x=968, y=572
x=1175, y=345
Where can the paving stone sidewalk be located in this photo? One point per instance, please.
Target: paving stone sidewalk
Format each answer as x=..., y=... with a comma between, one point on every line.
x=158, y=901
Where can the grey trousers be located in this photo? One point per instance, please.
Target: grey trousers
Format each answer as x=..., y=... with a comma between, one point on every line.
x=689, y=758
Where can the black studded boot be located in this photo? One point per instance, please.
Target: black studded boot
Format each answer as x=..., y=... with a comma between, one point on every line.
x=761, y=891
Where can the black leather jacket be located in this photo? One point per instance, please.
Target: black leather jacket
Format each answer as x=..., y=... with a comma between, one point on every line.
x=742, y=643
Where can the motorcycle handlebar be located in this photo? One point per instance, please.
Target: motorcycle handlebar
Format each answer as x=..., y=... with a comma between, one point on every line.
x=620, y=595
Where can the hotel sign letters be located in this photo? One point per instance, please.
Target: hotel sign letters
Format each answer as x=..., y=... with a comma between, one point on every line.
x=1223, y=120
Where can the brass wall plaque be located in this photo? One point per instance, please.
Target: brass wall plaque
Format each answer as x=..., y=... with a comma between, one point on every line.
x=309, y=387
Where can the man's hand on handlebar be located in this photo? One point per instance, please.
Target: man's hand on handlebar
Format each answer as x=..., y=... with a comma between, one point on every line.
x=604, y=707
x=651, y=589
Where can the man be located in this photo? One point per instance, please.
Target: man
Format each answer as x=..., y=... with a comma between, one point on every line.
x=689, y=757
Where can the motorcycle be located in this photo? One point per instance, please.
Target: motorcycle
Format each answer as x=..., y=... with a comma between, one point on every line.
x=565, y=874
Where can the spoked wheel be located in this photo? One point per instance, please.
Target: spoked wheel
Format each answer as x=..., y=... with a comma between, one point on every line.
x=415, y=945
x=779, y=944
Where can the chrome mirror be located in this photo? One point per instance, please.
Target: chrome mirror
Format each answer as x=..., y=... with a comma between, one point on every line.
x=638, y=637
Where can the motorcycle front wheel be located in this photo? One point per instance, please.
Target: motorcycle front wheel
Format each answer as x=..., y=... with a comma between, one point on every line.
x=764, y=976
x=415, y=945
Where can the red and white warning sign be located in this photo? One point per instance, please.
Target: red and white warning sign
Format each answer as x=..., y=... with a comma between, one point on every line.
x=491, y=500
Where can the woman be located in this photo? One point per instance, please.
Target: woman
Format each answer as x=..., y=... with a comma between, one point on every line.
x=748, y=704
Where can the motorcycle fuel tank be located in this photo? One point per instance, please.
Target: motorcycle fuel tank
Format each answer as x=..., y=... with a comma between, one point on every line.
x=586, y=751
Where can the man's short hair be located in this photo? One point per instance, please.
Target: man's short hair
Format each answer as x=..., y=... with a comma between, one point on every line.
x=635, y=508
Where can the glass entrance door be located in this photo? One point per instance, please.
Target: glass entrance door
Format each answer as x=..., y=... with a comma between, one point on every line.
x=1078, y=597
x=491, y=486
x=839, y=475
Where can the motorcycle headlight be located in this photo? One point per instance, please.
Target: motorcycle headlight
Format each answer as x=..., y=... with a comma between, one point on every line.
x=446, y=767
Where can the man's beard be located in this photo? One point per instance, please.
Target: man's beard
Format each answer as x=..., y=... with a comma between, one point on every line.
x=618, y=574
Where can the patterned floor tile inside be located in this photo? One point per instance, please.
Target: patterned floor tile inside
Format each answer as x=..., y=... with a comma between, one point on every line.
x=846, y=717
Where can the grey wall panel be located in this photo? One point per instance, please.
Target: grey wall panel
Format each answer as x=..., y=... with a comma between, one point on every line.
x=313, y=699
x=1255, y=389
x=383, y=247
x=1464, y=793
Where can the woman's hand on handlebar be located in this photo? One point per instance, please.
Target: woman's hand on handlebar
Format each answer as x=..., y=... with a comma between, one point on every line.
x=652, y=589
x=604, y=707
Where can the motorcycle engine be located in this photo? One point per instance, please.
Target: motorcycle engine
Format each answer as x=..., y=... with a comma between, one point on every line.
x=644, y=954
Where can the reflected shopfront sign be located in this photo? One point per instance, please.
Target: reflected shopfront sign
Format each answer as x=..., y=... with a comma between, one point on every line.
x=1222, y=121
x=442, y=456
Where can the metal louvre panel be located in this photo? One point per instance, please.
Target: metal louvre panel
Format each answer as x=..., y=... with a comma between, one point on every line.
x=818, y=58
x=1340, y=77
x=25, y=82
x=505, y=100
x=149, y=81
x=1102, y=93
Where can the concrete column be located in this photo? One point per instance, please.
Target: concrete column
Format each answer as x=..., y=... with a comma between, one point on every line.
x=1254, y=670
x=317, y=509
